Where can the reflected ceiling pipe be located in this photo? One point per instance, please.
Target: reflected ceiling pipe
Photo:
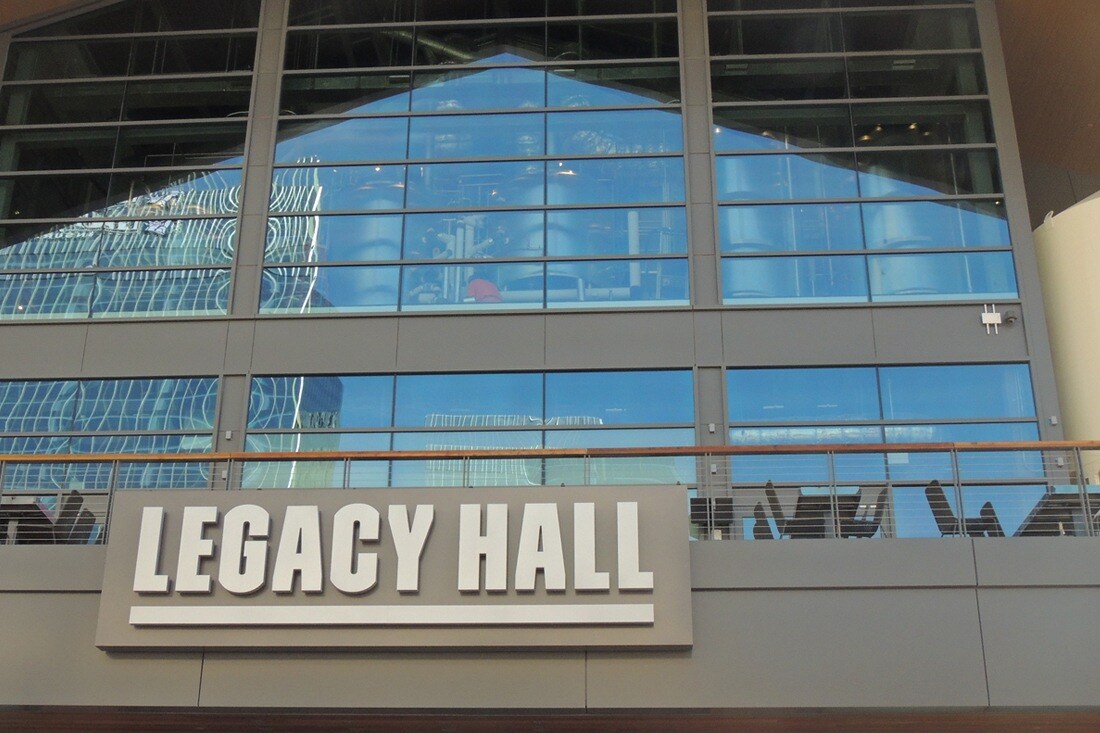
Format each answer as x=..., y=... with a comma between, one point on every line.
x=436, y=45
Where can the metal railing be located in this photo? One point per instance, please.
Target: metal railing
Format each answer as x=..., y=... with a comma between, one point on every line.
x=741, y=492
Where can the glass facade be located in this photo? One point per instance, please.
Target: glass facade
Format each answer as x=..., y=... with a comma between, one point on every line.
x=121, y=155
x=602, y=162
x=865, y=173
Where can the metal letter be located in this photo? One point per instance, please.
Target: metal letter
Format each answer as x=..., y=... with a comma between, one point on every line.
x=585, y=575
x=193, y=548
x=243, y=565
x=409, y=543
x=299, y=551
x=540, y=548
x=351, y=572
x=146, y=578
x=630, y=576
x=473, y=545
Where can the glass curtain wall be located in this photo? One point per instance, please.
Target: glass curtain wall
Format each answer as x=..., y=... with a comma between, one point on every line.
x=524, y=410
x=855, y=154
x=444, y=156
x=120, y=160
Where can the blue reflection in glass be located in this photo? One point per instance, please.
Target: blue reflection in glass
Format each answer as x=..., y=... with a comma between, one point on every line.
x=632, y=470
x=482, y=286
x=321, y=402
x=477, y=136
x=326, y=289
x=468, y=400
x=617, y=282
x=508, y=88
x=770, y=279
x=616, y=231
x=965, y=391
x=934, y=224
x=817, y=394
x=333, y=238
x=486, y=472
x=37, y=406
x=759, y=469
x=603, y=398
x=612, y=86
x=623, y=181
x=161, y=292
x=328, y=141
x=778, y=177
x=61, y=295
x=988, y=275
x=801, y=227
x=490, y=234
x=1001, y=464
x=349, y=188
x=928, y=173
x=614, y=132
x=475, y=184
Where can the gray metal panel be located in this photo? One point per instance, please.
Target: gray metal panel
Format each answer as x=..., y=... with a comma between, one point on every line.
x=1041, y=646
x=232, y=414
x=155, y=349
x=38, y=568
x=413, y=681
x=708, y=338
x=35, y=351
x=798, y=337
x=619, y=340
x=484, y=342
x=1037, y=561
x=328, y=346
x=709, y=389
x=832, y=564
x=946, y=334
x=50, y=659
x=808, y=649
x=238, y=347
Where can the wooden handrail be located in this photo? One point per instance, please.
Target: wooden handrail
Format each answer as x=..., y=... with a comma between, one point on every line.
x=518, y=453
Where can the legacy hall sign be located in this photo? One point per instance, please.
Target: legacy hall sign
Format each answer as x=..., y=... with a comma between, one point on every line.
x=398, y=568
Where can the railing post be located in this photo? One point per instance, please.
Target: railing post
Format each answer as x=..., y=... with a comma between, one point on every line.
x=1083, y=493
x=956, y=481
x=834, y=507
x=347, y=473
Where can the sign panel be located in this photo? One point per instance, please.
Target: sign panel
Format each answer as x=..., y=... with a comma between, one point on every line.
x=535, y=567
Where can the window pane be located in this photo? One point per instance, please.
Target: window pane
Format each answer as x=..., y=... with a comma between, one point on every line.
x=351, y=188
x=468, y=400
x=477, y=136
x=333, y=238
x=474, y=235
x=916, y=76
x=483, y=287
x=972, y=391
x=923, y=29
x=942, y=276
x=345, y=94
x=37, y=406
x=193, y=55
x=934, y=224
x=787, y=128
x=803, y=227
x=926, y=466
x=626, y=181
x=347, y=12
x=608, y=86
x=67, y=59
x=610, y=133
x=928, y=173
x=328, y=289
x=766, y=279
x=346, y=49
x=929, y=123
x=48, y=104
x=507, y=88
x=327, y=141
x=170, y=293
x=41, y=150
x=475, y=184
x=619, y=398
x=46, y=197
x=155, y=194
x=324, y=402
x=191, y=145
x=788, y=79
x=595, y=284
x=788, y=395
x=470, y=44
x=735, y=36
x=616, y=231
x=779, y=177
x=187, y=99
x=613, y=40
x=63, y=295
x=167, y=242
x=146, y=404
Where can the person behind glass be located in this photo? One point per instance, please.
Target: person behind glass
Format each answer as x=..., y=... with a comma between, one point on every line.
x=482, y=290
x=427, y=286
